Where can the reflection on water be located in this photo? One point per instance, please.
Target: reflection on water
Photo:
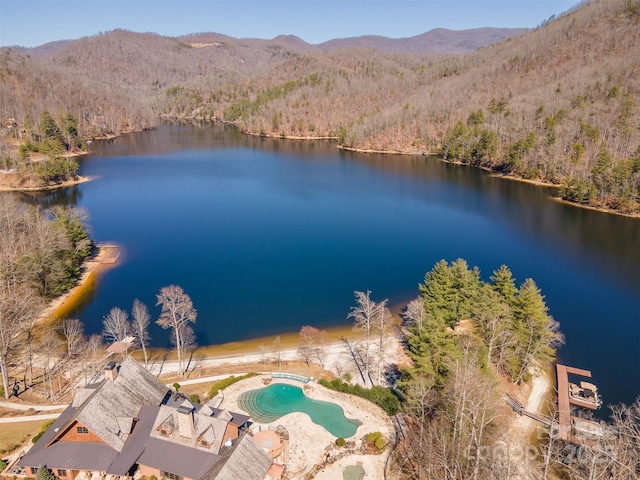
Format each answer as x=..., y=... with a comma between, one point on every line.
x=63, y=196
x=267, y=235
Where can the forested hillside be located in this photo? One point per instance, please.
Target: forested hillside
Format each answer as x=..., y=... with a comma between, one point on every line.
x=558, y=104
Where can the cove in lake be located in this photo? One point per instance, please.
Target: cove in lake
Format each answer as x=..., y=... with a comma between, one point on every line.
x=267, y=235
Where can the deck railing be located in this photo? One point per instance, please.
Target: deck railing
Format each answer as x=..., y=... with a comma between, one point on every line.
x=290, y=376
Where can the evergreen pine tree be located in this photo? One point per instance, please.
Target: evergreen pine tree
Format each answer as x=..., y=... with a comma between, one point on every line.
x=45, y=474
x=504, y=283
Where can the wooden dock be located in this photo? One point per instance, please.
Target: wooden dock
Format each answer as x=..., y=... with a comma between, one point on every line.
x=586, y=430
x=565, y=400
x=109, y=253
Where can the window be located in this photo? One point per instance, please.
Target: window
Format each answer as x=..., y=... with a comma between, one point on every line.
x=62, y=472
x=82, y=429
x=170, y=476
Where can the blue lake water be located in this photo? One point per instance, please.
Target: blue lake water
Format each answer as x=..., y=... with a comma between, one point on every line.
x=267, y=235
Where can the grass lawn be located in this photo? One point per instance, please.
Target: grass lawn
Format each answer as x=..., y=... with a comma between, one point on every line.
x=14, y=435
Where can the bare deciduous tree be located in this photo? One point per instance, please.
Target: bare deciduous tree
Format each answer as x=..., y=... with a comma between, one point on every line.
x=382, y=326
x=262, y=351
x=312, y=342
x=49, y=345
x=610, y=451
x=177, y=312
x=92, y=352
x=72, y=330
x=364, y=317
x=116, y=326
x=415, y=314
x=188, y=344
x=450, y=429
x=277, y=350
x=140, y=326
x=16, y=307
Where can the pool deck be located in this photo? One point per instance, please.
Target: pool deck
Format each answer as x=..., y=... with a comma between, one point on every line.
x=309, y=443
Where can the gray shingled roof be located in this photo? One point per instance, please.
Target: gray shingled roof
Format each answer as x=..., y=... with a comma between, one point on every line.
x=245, y=459
x=101, y=411
x=133, y=388
x=168, y=417
x=177, y=459
x=137, y=394
x=238, y=419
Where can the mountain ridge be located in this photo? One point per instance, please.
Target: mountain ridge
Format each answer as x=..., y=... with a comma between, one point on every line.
x=438, y=40
x=559, y=104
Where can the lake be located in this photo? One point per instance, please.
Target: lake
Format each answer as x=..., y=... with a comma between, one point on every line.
x=267, y=235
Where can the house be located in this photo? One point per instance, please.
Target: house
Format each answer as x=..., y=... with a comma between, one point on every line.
x=131, y=422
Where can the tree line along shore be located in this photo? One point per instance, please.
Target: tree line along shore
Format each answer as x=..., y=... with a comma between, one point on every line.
x=465, y=341
x=557, y=104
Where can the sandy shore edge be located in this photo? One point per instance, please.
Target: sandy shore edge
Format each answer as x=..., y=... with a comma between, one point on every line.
x=106, y=256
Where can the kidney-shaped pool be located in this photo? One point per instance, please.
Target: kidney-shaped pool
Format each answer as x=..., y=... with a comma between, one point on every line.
x=268, y=404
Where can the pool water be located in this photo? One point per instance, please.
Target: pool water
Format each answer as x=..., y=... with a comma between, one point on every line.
x=353, y=472
x=268, y=404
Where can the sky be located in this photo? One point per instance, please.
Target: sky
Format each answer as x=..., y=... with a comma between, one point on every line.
x=30, y=23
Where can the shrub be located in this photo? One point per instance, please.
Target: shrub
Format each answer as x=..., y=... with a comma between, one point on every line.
x=42, y=430
x=176, y=386
x=340, y=441
x=226, y=382
x=384, y=397
x=194, y=398
x=377, y=439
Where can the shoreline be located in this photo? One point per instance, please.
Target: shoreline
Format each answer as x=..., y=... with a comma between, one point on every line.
x=109, y=255
x=542, y=387
x=104, y=259
x=45, y=188
x=491, y=172
x=248, y=350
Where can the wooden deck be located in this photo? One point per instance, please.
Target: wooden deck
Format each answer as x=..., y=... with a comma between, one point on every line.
x=108, y=253
x=565, y=400
x=564, y=427
x=564, y=408
x=519, y=409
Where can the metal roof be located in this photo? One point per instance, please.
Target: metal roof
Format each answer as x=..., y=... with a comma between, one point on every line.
x=177, y=459
x=72, y=456
x=134, y=446
x=47, y=436
x=137, y=395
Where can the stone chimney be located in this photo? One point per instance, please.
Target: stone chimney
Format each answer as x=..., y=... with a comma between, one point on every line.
x=111, y=371
x=185, y=421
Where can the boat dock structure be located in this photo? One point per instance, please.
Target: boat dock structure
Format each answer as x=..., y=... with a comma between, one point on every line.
x=566, y=426
x=584, y=395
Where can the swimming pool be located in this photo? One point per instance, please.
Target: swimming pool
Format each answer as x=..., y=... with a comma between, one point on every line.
x=268, y=404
